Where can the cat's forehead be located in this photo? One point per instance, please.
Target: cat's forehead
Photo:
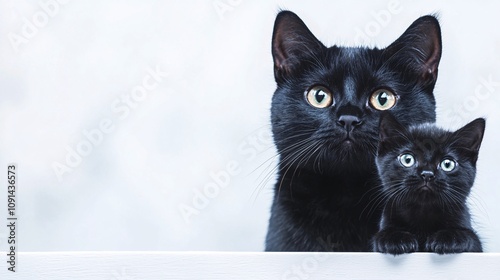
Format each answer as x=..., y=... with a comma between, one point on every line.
x=352, y=69
x=352, y=53
x=427, y=138
x=427, y=130
x=362, y=65
x=352, y=57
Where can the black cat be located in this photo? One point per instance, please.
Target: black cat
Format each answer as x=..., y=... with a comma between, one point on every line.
x=427, y=174
x=325, y=115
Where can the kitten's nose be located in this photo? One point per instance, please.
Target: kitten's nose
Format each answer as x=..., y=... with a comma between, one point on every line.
x=427, y=175
x=349, y=122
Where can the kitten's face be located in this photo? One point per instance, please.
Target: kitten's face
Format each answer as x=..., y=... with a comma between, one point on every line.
x=425, y=169
x=326, y=109
x=427, y=164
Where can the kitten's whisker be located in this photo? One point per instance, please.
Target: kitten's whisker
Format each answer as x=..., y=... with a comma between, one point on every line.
x=478, y=203
x=451, y=204
x=396, y=198
x=382, y=196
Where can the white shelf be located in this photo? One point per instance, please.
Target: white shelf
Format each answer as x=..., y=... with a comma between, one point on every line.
x=250, y=265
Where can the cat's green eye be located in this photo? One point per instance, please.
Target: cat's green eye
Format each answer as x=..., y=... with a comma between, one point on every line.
x=407, y=160
x=383, y=99
x=448, y=165
x=319, y=97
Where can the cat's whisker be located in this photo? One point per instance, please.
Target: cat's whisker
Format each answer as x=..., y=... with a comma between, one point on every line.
x=290, y=157
x=478, y=204
x=291, y=147
x=452, y=205
x=461, y=194
x=318, y=146
x=260, y=186
x=381, y=196
x=304, y=150
x=294, y=147
x=304, y=158
x=272, y=160
x=396, y=198
x=293, y=137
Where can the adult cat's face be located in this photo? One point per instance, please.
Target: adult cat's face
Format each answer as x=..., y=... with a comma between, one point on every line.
x=326, y=109
x=425, y=162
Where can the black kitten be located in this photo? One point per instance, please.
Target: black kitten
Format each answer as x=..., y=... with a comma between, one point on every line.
x=325, y=115
x=427, y=174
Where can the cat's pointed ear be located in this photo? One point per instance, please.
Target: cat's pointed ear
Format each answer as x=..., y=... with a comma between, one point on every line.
x=389, y=127
x=471, y=135
x=291, y=41
x=419, y=47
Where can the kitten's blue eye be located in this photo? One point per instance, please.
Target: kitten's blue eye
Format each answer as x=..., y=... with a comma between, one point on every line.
x=383, y=99
x=319, y=97
x=448, y=165
x=407, y=160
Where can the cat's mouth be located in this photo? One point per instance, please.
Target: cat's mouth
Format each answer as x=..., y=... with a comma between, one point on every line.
x=348, y=139
x=350, y=143
x=426, y=187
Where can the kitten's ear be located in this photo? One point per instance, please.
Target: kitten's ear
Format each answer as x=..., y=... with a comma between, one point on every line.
x=291, y=41
x=471, y=135
x=419, y=47
x=389, y=127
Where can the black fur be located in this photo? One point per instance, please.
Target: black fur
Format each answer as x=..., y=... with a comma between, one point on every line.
x=322, y=195
x=425, y=207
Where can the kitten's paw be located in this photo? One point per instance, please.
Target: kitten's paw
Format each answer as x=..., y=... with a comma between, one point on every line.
x=453, y=241
x=395, y=242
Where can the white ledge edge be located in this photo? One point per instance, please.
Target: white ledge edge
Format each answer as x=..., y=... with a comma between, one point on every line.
x=129, y=265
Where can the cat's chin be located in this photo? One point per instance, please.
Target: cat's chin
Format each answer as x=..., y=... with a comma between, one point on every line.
x=348, y=144
x=351, y=147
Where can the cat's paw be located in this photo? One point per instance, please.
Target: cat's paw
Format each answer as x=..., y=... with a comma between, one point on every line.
x=453, y=241
x=395, y=242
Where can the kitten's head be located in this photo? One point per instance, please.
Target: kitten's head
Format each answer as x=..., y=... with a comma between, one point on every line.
x=326, y=108
x=427, y=161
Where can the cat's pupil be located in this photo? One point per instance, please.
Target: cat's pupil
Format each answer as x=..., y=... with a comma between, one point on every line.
x=382, y=98
x=320, y=96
